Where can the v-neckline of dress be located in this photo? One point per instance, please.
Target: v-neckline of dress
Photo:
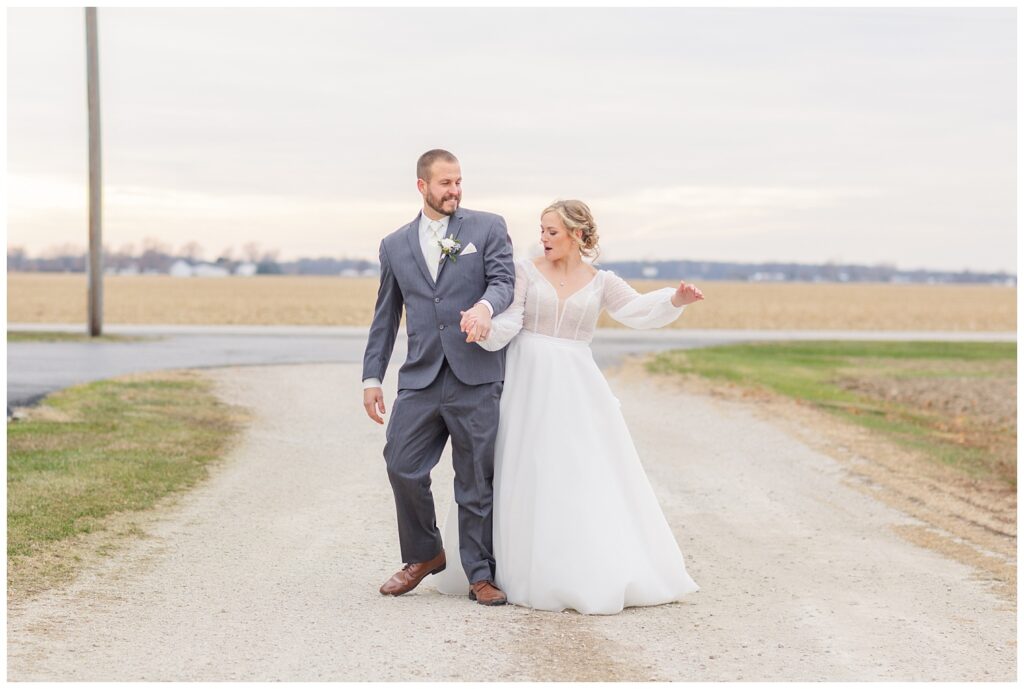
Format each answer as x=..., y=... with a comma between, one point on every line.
x=555, y=290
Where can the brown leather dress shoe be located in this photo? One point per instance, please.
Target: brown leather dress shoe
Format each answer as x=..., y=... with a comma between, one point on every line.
x=486, y=593
x=410, y=576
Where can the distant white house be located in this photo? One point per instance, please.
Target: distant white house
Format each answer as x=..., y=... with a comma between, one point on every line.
x=180, y=269
x=209, y=270
x=183, y=269
x=349, y=273
x=650, y=271
x=370, y=272
x=246, y=269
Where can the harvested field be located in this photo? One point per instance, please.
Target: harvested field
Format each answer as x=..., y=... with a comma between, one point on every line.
x=310, y=300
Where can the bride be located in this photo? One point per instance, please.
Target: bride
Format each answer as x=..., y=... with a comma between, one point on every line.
x=576, y=523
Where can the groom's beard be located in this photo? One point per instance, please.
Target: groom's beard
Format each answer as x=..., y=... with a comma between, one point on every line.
x=438, y=203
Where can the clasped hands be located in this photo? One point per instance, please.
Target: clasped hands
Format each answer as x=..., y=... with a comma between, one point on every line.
x=476, y=323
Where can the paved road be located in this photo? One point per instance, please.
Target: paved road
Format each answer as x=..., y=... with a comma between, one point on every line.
x=35, y=369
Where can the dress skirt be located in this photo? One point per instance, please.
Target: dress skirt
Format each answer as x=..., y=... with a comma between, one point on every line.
x=576, y=522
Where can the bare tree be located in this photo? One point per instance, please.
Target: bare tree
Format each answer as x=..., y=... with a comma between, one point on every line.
x=65, y=250
x=251, y=251
x=16, y=258
x=192, y=251
x=156, y=255
x=152, y=244
x=226, y=255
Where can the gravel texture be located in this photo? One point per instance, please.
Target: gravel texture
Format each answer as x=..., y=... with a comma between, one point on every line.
x=269, y=570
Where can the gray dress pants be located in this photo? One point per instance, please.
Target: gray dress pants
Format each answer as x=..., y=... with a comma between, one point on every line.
x=420, y=425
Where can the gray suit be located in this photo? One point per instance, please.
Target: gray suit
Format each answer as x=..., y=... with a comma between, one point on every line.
x=447, y=387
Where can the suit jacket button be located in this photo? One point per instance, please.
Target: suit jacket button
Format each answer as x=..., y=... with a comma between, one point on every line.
x=440, y=327
x=437, y=299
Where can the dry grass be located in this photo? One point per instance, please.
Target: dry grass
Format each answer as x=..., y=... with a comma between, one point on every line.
x=308, y=300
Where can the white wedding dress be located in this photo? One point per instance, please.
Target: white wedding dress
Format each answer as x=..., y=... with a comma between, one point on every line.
x=576, y=523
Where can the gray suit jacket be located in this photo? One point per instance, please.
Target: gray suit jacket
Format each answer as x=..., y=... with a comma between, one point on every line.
x=432, y=310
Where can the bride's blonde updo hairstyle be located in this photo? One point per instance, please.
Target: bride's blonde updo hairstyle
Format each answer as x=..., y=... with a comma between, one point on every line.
x=576, y=215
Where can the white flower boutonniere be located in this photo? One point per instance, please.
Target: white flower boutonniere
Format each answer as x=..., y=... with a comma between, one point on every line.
x=450, y=247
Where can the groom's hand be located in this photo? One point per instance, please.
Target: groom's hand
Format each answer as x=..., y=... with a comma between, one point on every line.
x=373, y=403
x=476, y=322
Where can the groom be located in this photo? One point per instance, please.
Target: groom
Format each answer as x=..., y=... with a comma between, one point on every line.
x=445, y=261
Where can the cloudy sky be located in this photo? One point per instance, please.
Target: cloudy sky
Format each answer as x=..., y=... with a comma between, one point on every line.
x=859, y=135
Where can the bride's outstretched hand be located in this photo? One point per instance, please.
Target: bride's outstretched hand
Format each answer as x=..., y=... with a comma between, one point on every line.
x=686, y=293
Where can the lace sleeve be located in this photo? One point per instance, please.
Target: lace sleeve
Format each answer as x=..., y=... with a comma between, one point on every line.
x=509, y=322
x=641, y=311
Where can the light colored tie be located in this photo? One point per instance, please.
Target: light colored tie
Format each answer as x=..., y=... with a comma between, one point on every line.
x=434, y=258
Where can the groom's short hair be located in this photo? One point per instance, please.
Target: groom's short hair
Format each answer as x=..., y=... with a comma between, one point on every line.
x=428, y=159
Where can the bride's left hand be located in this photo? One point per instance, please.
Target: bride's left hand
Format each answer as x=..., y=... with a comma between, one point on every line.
x=686, y=293
x=474, y=327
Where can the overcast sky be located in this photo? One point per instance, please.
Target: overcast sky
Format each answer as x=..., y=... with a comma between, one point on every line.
x=856, y=135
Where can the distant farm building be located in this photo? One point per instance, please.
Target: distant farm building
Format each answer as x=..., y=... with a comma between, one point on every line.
x=184, y=269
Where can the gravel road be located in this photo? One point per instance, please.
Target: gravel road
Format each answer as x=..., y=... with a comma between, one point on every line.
x=269, y=570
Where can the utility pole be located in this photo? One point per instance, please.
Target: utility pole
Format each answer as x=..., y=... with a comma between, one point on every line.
x=92, y=61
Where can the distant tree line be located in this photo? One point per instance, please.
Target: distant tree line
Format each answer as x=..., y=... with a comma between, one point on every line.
x=154, y=256
x=796, y=272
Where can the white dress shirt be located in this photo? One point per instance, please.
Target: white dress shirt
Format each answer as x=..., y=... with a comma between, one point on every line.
x=428, y=242
x=432, y=255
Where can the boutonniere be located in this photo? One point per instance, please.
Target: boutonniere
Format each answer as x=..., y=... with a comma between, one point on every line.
x=450, y=247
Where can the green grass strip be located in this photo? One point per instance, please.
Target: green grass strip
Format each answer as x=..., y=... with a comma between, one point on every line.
x=812, y=372
x=102, y=448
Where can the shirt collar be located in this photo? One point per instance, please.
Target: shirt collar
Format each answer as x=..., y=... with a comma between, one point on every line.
x=425, y=224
